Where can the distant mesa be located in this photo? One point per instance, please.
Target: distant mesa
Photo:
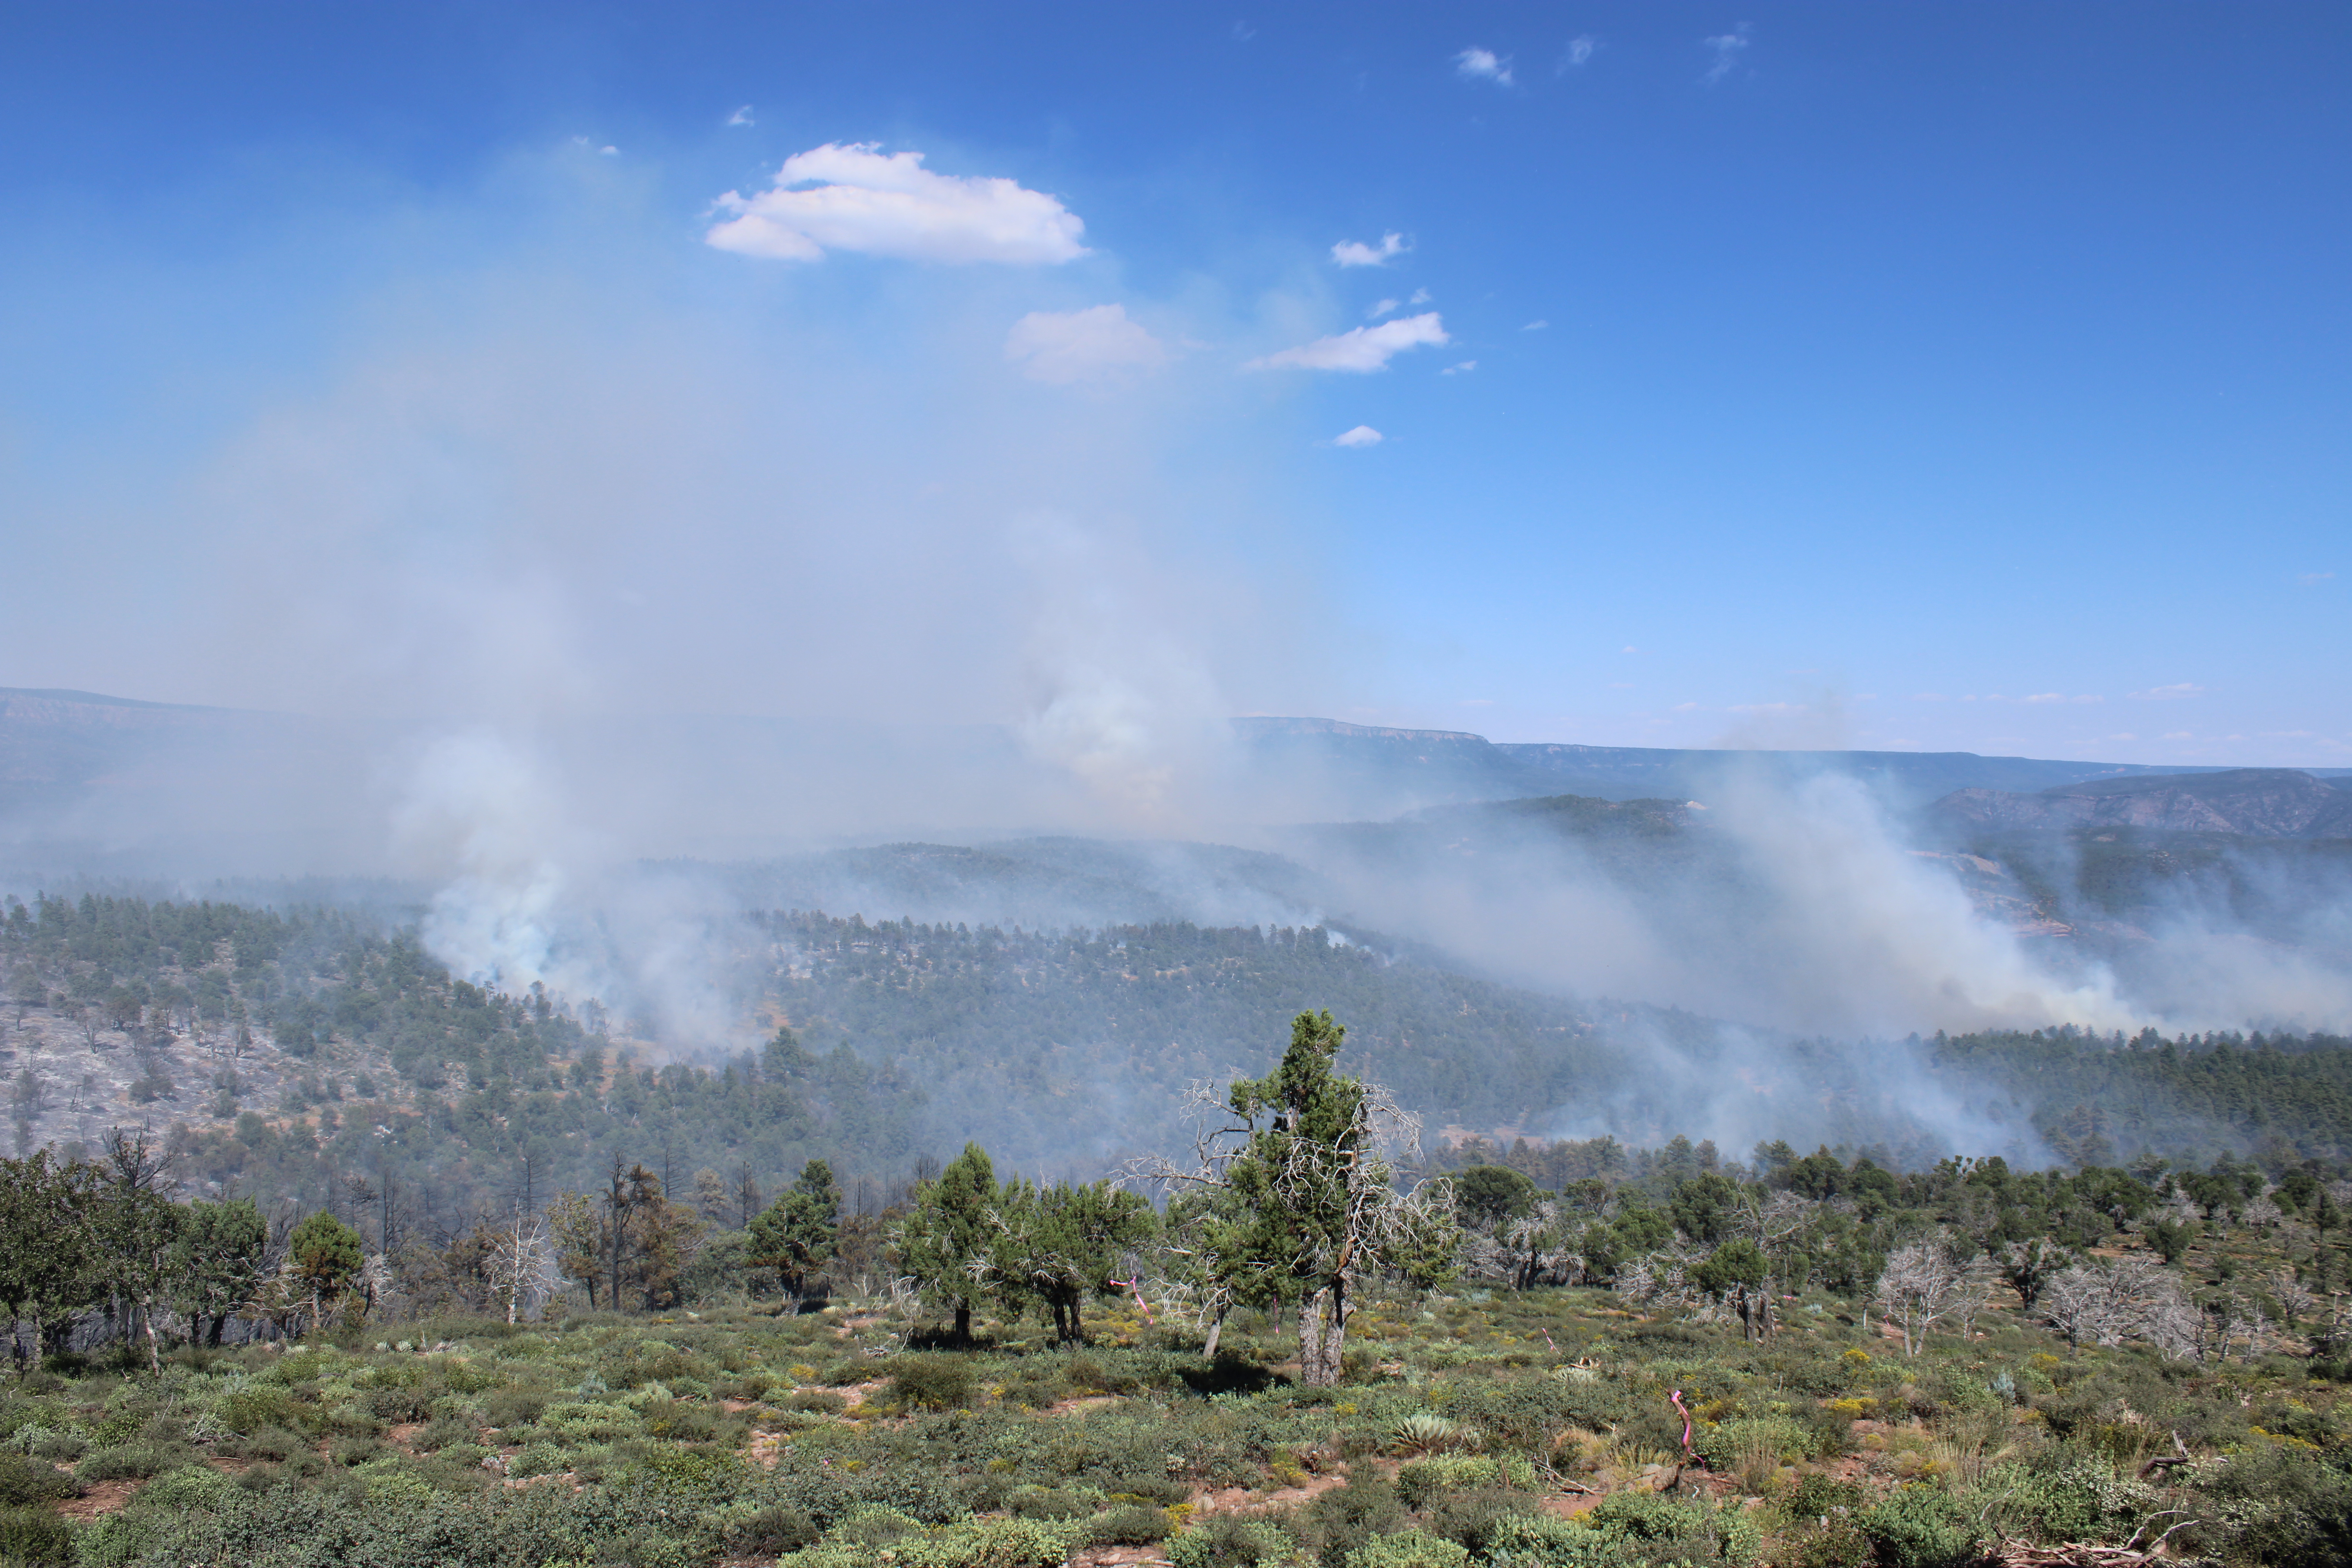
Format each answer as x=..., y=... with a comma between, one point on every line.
x=2254, y=803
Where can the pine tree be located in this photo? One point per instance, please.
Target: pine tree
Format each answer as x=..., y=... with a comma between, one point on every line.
x=796, y=1235
x=948, y=1242
x=327, y=1256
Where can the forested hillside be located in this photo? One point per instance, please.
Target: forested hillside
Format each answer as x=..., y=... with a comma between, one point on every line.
x=307, y=1054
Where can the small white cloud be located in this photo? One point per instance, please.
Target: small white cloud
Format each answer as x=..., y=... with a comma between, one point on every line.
x=1579, y=52
x=2044, y=697
x=1361, y=350
x=1458, y=369
x=1386, y=307
x=1243, y=32
x=1065, y=346
x=855, y=198
x=1362, y=435
x=741, y=117
x=1683, y=707
x=1727, y=47
x=1355, y=253
x=1631, y=648
x=591, y=146
x=2170, y=693
x=1538, y=325
x=1475, y=64
x=2312, y=579
x=2176, y=735
x=1928, y=697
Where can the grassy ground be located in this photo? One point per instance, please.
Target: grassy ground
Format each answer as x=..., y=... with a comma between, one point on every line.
x=1477, y=1428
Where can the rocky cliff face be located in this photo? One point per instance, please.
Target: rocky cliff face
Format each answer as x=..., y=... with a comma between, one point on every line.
x=2256, y=803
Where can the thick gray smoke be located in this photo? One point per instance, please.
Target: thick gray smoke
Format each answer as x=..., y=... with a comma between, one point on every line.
x=590, y=553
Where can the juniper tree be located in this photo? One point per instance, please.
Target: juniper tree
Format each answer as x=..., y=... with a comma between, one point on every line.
x=1062, y=1243
x=947, y=1242
x=216, y=1261
x=1315, y=1201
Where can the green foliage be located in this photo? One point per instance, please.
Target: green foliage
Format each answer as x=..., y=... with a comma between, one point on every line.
x=797, y=1235
x=1777, y=1439
x=35, y=1538
x=950, y=1235
x=26, y=1483
x=327, y=1253
x=1920, y=1527
x=1230, y=1540
x=931, y=1382
x=1409, y=1549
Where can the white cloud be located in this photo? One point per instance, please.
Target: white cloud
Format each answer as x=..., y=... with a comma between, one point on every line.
x=1458, y=369
x=1727, y=47
x=1064, y=346
x=1363, y=350
x=1384, y=308
x=1580, y=51
x=1538, y=325
x=2170, y=693
x=600, y=152
x=2312, y=579
x=741, y=117
x=857, y=199
x=1355, y=253
x=1362, y=435
x=1476, y=64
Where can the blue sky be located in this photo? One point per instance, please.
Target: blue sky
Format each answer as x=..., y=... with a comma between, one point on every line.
x=1887, y=375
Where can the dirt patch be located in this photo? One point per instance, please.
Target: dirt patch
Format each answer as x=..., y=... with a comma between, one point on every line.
x=1568, y=1505
x=403, y=1437
x=103, y=1498
x=1241, y=1500
x=1117, y=1556
x=857, y=1393
x=1085, y=1402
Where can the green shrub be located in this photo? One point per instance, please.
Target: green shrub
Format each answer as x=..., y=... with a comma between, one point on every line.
x=1409, y=1549
x=1230, y=1541
x=28, y=1483
x=1420, y=1482
x=188, y=1488
x=931, y=1382
x=1777, y=1438
x=35, y=1538
x=1920, y=1527
x=254, y=1406
x=1045, y=1502
x=515, y=1407
x=1543, y=1540
x=1470, y=1518
x=134, y=1461
x=816, y=1401
x=586, y=1421
x=1134, y=1525
x=1346, y=1517
x=769, y=1532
